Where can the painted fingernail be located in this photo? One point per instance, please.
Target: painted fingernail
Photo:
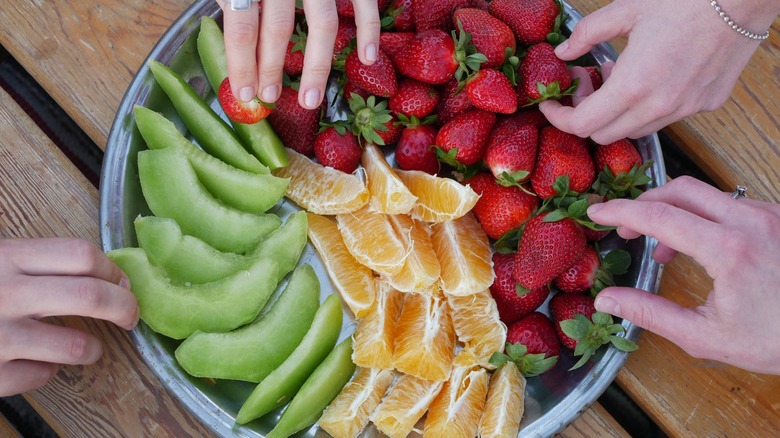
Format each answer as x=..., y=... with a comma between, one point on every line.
x=562, y=47
x=246, y=94
x=595, y=208
x=607, y=305
x=371, y=52
x=270, y=93
x=124, y=282
x=312, y=98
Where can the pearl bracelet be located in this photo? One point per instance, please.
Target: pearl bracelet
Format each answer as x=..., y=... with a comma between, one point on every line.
x=735, y=26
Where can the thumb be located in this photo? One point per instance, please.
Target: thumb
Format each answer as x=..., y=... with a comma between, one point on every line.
x=602, y=25
x=665, y=318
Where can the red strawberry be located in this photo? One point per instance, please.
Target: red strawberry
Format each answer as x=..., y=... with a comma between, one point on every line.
x=537, y=332
x=414, y=99
x=378, y=79
x=502, y=209
x=490, y=36
x=531, y=20
x=414, y=150
x=433, y=57
x=295, y=125
x=621, y=171
x=511, y=151
x=490, y=90
x=392, y=131
x=544, y=75
x=591, y=273
x=581, y=328
x=293, y=59
x=452, y=102
x=619, y=157
x=392, y=43
x=399, y=17
x=350, y=88
x=530, y=116
x=435, y=14
x=595, y=76
x=338, y=148
x=242, y=112
x=463, y=139
x=594, y=235
x=344, y=8
x=547, y=249
x=560, y=154
x=511, y=306
x=344, y=35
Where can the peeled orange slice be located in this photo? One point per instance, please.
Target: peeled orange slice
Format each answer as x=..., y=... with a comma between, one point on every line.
x=421, y=269
x=424, y=338
x=389, y=195
x=505, y=403
x=456, y=411
x=372, y=241
x=320, y=189
x=404, y=405
x=464, y=254
x=438, y=199
x=375, y=332
x=354, y=281
x=476, y=322
x=348, y=414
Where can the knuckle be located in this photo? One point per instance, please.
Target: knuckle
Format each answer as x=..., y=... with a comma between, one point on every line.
x=86, y=253
x=243, y=34
x=326, y=21
x=318, y=71
x=75, y=347
x=659, y=213
x=581, y=128
x=277, y=27
x=89, y=295
x=271, y=72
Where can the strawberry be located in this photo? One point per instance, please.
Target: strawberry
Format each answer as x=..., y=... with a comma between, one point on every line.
x=532, y=344
x=295, y=125
x=490, y=90
x=293, y=59
x=414, y=150
x=345, y=10
x=580, y=327
x=392, y=43
x=452, y=102
x=392, y=132
x=560, y=154
x=490, y=36
x=434, y=57
x=371, y=121
x=619, y=157
x=512, y=306
x=531, y=116
x=399, y=17
x=547, y=249
x=530, y=20
x=344, y=36
x=595, y=76
x=435, y=14
x=544, y=75
x=462, y=140
x=510, y=153
x=621, y=171
x=338, y=148
x=350, y=88
x=501, y=209
x=414, y=99
x=591, y=273
x=242, y=112
x=378, y=79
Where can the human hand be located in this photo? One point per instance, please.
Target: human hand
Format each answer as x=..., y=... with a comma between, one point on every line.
x=256, y=45
x=54, y=277
x=736, y=241
x=681, y=58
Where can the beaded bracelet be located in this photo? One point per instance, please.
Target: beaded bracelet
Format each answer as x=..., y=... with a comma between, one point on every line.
x=735, y=26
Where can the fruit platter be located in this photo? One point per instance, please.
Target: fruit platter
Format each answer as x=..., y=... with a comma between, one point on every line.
x=290, y=286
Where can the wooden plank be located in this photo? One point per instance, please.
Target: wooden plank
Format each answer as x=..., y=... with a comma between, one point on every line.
x=595, y=422
x=43, y=195
x=7, y=429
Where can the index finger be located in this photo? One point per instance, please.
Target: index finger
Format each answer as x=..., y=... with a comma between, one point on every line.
x=240, y=33
x=591, y=113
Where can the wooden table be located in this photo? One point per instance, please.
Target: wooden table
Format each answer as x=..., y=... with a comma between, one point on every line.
x=85, y=53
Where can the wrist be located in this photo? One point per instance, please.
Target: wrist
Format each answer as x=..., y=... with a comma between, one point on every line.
x=745, y=16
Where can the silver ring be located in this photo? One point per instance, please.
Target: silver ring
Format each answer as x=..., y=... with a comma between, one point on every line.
x=240, y=5
x=740, y=192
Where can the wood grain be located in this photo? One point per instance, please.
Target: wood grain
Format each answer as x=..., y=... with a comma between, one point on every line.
x=595, y=422
x=43, y=195
x=7, y=429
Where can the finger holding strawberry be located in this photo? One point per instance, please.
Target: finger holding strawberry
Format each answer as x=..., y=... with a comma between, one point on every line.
x=248, y=113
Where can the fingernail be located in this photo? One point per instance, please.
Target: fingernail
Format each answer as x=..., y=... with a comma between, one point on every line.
x=136, y=320
x=595, y=208
x=270, y=93
x=562, y=47
x=607, y=305
x=246, y=94
x=371, y=52
x=312, y=98
x=124, y=282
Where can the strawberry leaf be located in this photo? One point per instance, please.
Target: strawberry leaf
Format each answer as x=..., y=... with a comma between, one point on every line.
x=601, y=318
x=617, y=261
x=576, y=328
x=623, y=344
x=578, y=209
x=498, y=359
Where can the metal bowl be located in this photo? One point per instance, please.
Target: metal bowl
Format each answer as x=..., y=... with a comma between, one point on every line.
x=554, y=399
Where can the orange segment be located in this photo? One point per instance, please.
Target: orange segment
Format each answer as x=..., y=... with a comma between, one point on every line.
x=354, y=281
x=404, y=405
x=438, y=199
x=389, y=195
x=464, y=254
x=424, y=338
x=371, y=239
x=375, y=333
x=421, y=269
x=348, y=414
x=456, y=411
x=505, y=403
x=320, y=189
x=478, y=326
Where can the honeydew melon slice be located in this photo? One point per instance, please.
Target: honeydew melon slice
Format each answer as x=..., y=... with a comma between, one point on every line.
x=178, y=311
x=171, y=189
x=188, y=259
x=252, y=352
x=247, y=191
